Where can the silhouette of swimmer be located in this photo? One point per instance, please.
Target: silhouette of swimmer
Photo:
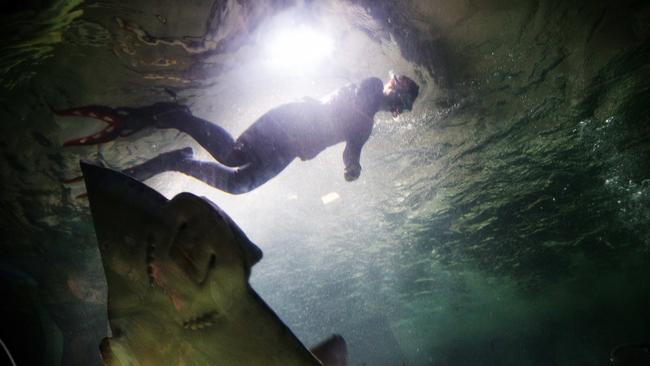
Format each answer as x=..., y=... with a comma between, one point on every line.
x=300, y=129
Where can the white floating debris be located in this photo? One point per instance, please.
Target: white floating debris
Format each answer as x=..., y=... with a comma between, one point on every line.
x=330, y=197
x=292, y=197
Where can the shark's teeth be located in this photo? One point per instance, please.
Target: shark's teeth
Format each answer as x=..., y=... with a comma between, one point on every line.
x=201, y=322
x=149, y=260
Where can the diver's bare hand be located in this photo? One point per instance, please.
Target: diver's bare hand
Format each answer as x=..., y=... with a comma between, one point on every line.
x=352, y=172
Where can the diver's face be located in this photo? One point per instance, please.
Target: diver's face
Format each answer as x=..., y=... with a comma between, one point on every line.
x=399, y=102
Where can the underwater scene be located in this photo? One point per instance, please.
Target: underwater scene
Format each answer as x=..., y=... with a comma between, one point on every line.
x=336, y=182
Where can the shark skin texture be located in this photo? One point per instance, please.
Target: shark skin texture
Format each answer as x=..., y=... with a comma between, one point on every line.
x=178, y=292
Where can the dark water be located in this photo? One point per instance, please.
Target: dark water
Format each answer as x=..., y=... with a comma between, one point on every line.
x=504, y=222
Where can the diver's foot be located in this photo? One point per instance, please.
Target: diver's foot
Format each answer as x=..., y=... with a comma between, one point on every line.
x=169, y=161
x=124, y=121
x=113, y=118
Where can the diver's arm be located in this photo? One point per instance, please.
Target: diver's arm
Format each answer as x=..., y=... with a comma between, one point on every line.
x=353, y=146
x=351, y=156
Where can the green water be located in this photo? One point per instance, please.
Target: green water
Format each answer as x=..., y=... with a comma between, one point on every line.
x=504, y=222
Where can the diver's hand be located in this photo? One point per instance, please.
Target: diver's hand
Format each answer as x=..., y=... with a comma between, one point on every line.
x=352, y=172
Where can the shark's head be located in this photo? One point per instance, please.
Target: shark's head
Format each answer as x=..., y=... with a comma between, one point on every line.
x=198, y=264
x=178, y=293
x=186, y=255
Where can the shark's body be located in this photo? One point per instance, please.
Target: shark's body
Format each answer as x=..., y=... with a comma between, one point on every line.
x=177, y=273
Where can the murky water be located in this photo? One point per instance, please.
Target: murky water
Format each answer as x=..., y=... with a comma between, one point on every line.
x=504, y=222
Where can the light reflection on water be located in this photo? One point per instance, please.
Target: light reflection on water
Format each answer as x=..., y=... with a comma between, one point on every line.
x=495, y=227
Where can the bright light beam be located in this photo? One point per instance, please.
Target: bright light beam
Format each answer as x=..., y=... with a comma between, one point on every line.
x=298, y=48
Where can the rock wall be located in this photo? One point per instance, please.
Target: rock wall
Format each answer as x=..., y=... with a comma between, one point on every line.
x=519, y=181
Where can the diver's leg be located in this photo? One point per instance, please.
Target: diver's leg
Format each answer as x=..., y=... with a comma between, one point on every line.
x=253, y=175
x=169, y=161
x=232, y=180
x=124, y=121
x=216, y=140
x=213, y=138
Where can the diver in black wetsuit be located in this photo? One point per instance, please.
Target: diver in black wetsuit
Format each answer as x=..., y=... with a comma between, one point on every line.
x=300, y=129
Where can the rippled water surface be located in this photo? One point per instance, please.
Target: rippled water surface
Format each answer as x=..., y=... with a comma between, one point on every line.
x=503, y=222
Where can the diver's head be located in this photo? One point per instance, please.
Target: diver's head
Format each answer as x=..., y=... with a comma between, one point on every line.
x=400, y=92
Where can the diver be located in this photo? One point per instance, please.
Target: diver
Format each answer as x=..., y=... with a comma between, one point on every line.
x=299, y=129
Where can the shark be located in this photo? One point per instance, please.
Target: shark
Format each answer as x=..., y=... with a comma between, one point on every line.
x=177, y=273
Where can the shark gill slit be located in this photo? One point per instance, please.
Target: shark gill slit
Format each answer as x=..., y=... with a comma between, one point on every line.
x=149, y=260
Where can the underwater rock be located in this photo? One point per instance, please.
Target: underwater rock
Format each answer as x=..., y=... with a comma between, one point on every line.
x=523, y=166
x=178, y=292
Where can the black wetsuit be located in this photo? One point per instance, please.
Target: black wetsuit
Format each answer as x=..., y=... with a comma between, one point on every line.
x=301, y=129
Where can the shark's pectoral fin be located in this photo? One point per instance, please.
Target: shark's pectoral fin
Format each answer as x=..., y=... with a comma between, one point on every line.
x=332, y=351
